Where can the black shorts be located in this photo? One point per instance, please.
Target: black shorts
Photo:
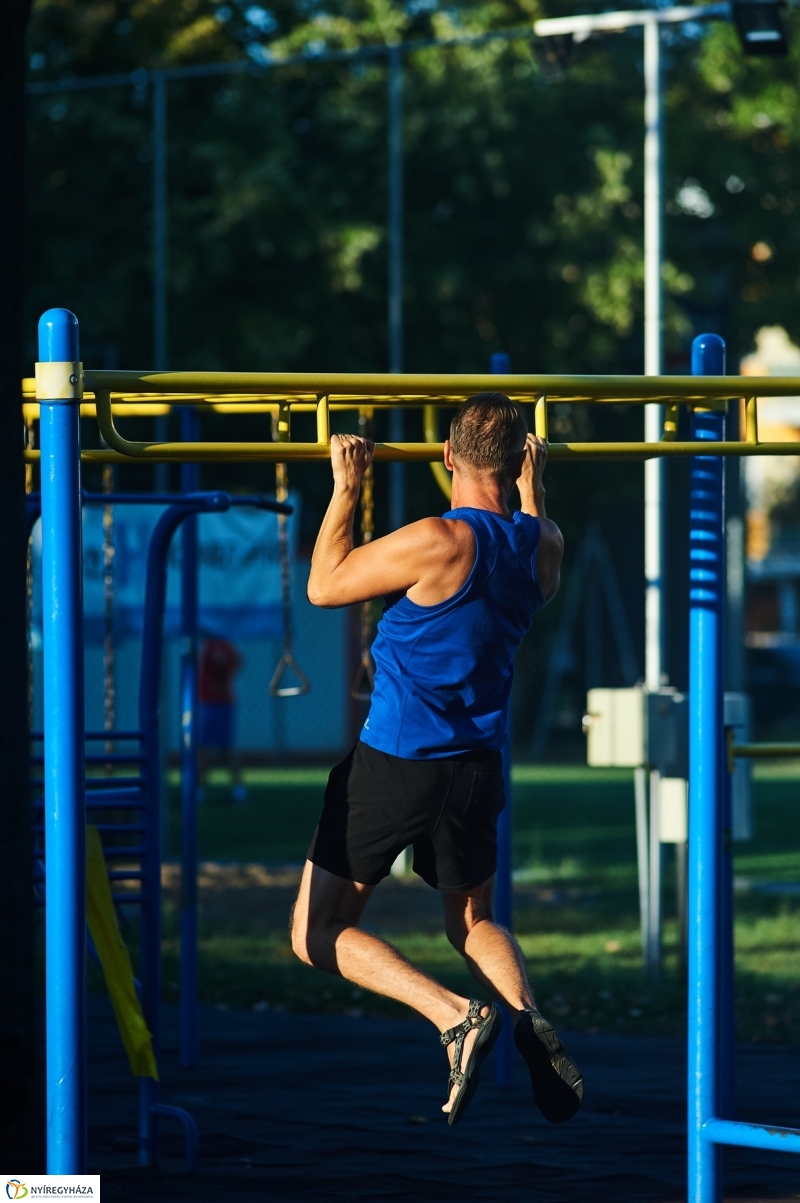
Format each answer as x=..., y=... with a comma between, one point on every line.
x=376, y=805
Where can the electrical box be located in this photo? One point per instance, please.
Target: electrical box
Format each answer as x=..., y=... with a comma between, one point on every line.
x=629, y=728
x=615, y=725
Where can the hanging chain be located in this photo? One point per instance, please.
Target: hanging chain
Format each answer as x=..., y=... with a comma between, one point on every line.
x=280, y=433
x=282, y=494
x=109, y=684
x=362, y=686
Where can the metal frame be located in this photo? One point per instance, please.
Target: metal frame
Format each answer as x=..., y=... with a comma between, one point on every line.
x=116, y=393
x=61, y=871
x=706, y=394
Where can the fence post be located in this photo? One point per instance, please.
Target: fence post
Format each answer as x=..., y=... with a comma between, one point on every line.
x=58, y=389
x=706, y=768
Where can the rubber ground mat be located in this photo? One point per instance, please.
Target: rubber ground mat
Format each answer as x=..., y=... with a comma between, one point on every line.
x=308, y=1108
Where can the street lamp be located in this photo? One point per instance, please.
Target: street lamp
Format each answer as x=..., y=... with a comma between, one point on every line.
x=761, y=26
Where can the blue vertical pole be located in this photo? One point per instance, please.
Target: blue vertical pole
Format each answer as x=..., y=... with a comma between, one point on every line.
x=65, y=804
x=190, y=482
x=503, y=898
x=706, y=601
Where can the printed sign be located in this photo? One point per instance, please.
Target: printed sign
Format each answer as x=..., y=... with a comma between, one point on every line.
x=238, y=568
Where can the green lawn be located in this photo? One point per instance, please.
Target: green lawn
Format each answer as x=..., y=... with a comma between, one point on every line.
x=575, y=904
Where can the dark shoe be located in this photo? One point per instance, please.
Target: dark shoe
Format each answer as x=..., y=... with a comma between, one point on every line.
x=556, y=1081
x=466, y=1078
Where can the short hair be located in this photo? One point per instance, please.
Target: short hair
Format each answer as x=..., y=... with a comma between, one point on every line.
x=487, y=431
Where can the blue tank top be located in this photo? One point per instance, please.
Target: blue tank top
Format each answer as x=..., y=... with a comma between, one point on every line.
x=443, y=673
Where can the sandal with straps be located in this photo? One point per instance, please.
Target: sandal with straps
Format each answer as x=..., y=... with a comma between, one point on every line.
x=466, y=1078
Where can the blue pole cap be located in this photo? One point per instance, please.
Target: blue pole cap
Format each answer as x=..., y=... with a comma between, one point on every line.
x=708, y=355
x=499, y=364
x=58, y=337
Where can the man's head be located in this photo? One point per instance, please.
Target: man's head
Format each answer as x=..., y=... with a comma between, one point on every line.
x=487, y=437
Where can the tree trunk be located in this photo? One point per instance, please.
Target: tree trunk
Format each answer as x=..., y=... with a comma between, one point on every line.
x=21, y=1128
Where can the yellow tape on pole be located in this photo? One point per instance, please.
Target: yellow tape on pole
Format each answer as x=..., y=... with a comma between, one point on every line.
x=116, y=961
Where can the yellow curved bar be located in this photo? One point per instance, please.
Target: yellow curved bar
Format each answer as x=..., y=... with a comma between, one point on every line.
x=208, y=452
x=440, y=473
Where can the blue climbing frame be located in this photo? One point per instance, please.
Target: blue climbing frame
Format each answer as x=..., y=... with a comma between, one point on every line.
x=64, y=802
x=710, y=944
x=131, y=805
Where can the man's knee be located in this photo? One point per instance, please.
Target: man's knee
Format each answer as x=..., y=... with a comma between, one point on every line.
x=299, y=932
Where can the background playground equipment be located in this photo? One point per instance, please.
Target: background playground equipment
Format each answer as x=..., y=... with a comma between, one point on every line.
x=139, y=794
x=59, y=378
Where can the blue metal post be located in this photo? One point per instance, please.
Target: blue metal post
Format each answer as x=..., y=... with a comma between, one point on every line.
x=504, y=899
x=65, y=804
x=706, y=767
x=190, y=482
x=149, y=719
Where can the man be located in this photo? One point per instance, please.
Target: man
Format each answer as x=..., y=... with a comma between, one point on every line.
x=219, y=664
x=427, y=772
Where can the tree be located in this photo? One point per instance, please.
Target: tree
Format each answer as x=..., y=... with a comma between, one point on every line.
x=523, y=213
x=21, y=1128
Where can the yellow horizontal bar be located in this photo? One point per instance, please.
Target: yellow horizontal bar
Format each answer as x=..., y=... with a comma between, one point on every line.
x=142, y=409
x=764, y=751
x=409, y=452
x=415, y=389
x=103, y=456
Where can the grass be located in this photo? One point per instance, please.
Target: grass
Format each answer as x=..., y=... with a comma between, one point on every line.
x=576, y=910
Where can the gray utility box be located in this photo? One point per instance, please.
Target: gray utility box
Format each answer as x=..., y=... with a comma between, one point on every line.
x=631, y=728
x=636, y=728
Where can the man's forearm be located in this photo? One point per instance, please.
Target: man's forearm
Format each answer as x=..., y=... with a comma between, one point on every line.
x=334, y=541
x=532, y=501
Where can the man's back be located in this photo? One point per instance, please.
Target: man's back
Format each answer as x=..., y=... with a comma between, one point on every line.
x=444, y=671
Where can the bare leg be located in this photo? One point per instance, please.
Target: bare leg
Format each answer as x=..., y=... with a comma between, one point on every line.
x=493, y=955
x=495, y=959
x=325, y=934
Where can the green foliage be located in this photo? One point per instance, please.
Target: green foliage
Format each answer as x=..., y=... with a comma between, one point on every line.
x=523, y=210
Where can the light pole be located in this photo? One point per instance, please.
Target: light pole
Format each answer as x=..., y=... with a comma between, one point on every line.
x=653, y=468
x=648, y=826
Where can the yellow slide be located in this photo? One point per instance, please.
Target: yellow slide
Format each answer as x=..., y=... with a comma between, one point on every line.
x=116, y=961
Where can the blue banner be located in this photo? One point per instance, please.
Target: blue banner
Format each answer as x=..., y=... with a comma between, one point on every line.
x=239, y=571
